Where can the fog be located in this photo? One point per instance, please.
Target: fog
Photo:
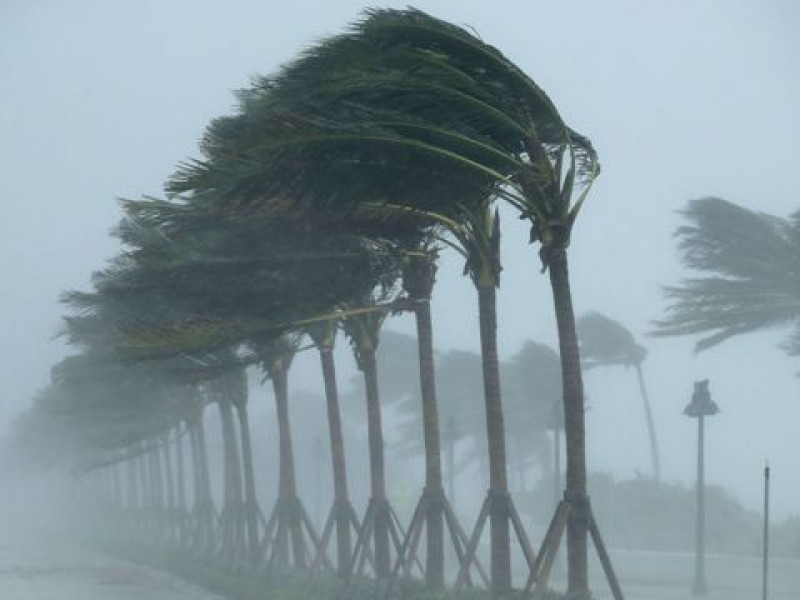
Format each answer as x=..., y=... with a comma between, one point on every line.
x=102, y=100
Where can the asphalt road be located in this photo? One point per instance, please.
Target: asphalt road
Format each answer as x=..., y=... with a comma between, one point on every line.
x=38, y=569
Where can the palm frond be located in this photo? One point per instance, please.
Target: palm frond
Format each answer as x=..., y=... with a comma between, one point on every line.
x=753, y=264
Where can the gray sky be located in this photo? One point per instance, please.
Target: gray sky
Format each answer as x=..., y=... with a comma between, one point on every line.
x=682, y=99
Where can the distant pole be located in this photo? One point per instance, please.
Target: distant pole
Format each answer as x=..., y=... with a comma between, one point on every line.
x=700, y=407
x=700, y=516
x=765, y=564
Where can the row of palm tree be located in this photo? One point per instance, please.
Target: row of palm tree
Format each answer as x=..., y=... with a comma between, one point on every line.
x=414, y=114
x=322, y=203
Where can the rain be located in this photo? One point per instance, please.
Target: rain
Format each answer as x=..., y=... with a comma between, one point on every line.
x=224, y=230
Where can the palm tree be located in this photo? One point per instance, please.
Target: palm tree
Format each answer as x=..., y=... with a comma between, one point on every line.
x=750, y=277
x=605, y=342
x=363, y=330
x=232, y=519
x=342, y=515
x=288, y=517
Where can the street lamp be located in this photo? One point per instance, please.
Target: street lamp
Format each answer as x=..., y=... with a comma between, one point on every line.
x=700, y=407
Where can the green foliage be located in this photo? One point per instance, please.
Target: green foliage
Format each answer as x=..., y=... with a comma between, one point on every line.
x=244, y=585
x=750, y=267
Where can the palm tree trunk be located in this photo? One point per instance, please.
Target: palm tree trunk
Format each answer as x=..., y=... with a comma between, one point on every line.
x=574, y=428
x=181, y=485
x=116, y=485
x=194, y=456
x=434, y=571
x=495, y=433
x=144, y=491
x=287, y=494
x=251, y=500
x=203, y=499
x=131, y=488
x=376, y=463
x=232, y=474
x=651, y=427
x=132, y=493
x=157, y=491
x=339, y=464
x=169, y=481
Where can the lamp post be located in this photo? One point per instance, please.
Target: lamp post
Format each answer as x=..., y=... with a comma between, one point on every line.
x=765, y=558
x=700, y=407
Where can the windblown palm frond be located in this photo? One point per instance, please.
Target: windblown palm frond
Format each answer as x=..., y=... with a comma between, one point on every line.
x=402, y=108
x=753, y=264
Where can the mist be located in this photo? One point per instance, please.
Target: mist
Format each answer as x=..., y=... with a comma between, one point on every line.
x=102, y=101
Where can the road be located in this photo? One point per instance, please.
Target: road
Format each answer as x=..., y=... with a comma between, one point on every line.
x=36, y=569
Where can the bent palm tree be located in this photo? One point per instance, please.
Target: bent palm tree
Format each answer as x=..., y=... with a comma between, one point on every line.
x=342, y=515
x=605, y=342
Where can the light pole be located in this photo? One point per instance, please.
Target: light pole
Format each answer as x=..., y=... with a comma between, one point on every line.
x=765, y=558
x=700, y=407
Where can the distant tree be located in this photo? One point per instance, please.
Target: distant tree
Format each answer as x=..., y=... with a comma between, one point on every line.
x=461, y=411
x=532, y=383
x=605, y=342
x=532, y=380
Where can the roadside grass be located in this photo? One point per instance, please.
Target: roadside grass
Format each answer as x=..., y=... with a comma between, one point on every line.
x=246, y=584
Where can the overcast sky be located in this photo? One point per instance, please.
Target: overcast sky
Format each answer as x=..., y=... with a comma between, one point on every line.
x=682, y=99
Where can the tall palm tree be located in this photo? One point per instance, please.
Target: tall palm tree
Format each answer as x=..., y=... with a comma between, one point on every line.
x=237, y=382
x=288, y=515
x=363, y=330
x=342, y=515
x=605, y=342
x=532, y=377
x=419, y=276
x=232, y=519
x=747, y=273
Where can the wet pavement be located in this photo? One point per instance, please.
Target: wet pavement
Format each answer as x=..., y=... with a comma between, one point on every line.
x=39, y=569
